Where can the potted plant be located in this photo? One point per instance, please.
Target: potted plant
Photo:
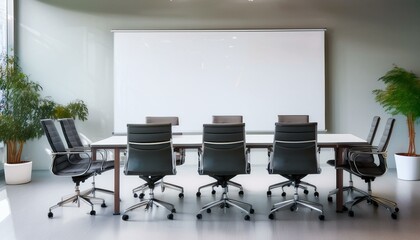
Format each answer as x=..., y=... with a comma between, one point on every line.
x=21, y=109
x=402, y=96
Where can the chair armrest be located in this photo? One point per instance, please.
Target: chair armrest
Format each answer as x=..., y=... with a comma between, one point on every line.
x=355, y=154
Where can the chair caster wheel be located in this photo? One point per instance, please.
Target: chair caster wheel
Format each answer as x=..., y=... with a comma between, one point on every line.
x=199, y=216
x=293, y=208
x=397, y=209
x=283, y=194
x=198, y=194
x=247, y=217
x=305, y=192
x=135, y=195
x=173, y=210
x=241, y=193
x=351, y=213
x=125, y=217
x=141, y=196
x=181, y=195
x=50, y=215
x=268, y=193
x=330, y=199
x=103, y=205
x=271, y=216
x=394, y=215
x=213, y=191
x=208, y=210
x=321, y=217
x=170, y=216
x=316, y=194
x=251, y=211
x=93, y=213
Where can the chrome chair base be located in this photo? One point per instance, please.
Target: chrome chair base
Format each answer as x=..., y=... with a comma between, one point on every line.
x=295, y=203
x=391, y=206
x=226, y=202
x=79, y=197
x=163, y=186
x=149, y=204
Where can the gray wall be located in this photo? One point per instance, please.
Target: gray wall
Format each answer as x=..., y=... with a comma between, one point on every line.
x=67, y=47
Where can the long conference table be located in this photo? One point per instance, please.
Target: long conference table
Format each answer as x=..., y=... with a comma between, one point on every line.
x=338, y=142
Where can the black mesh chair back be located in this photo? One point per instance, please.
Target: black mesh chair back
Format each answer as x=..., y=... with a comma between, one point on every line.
x=150, y=151
x=293, y=118
x=295, y=149
x=174, y=121
x=70, y=133
x=373, y=128
x=224, y=151
x=227, y=119
x=60, y=161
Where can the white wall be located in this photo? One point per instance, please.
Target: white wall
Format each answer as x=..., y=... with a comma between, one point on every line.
x=66, y=46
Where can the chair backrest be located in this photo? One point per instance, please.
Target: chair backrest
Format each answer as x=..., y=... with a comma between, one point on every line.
x=174, y=121
x=223, y=150
x=70, y=133
x=373, y=128
x=150, y=151
x=386, y=135
x=60, y=161
x=293, y=118
x=295, y=149
x=227, y=119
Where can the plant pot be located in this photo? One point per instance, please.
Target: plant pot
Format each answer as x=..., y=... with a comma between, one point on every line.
x=18, y=173
x=408, y=167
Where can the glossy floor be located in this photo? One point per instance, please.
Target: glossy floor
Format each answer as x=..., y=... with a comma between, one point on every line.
x=24, y=208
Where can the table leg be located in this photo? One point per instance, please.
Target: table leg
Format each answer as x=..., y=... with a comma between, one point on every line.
x=116, y=181
x=339, y=180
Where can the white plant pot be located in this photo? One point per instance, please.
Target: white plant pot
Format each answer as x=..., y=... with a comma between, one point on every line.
x=18, y=173
x=408, y=167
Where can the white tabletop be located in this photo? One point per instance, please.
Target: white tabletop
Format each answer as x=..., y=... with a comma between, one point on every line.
x=255, y=140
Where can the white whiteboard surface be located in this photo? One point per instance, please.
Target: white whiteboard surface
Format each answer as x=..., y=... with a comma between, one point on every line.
x=196, y=74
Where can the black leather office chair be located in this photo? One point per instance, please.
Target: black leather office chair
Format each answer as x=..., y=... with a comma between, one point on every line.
x=369, y=163
x=371, y=136
x=223, y=156
x=151, y=157
x=75, y=144
x=224, y=119
x=295, y=156
x=75, y=165
x=179, y=158
x=303, y=185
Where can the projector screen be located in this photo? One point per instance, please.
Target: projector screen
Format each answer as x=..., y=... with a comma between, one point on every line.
x=194, y=75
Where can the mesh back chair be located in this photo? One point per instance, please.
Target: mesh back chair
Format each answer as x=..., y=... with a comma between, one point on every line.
x=303, y=185
x=295, y=156
x=224, y=119
x=71, y=135
x=75, y=165
x=151, y=157
x=371, y=136
x=179, y=158
x=223, y=156
x=369, y=163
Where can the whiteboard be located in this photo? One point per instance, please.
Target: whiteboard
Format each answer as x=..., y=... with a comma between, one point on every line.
x=196, y=74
